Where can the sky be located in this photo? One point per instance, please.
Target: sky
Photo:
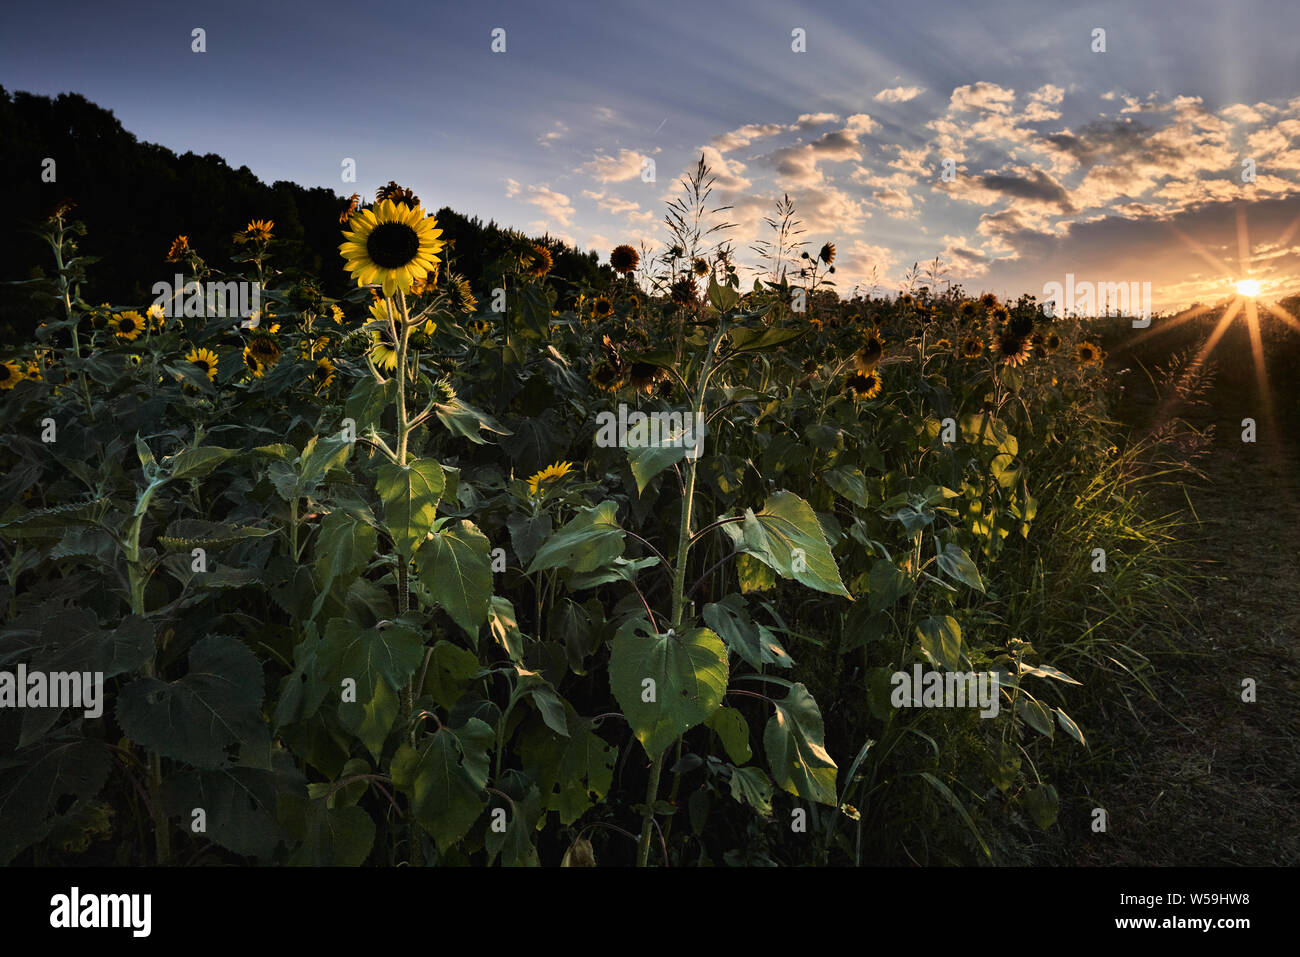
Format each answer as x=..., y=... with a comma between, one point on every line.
x=1122, y=164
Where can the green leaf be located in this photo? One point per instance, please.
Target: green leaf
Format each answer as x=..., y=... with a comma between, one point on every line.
x=722, y=297
x=1069, y=727
x=515, y=843
x=239, y=806
x=410, y=495
x=381, y=661
x=196, y=463
x=368, y=400
x=456, y=568
x=796, y=752
x=186, y=534
x=955, y=563
x=960, y=808
x=451, y=668
x=343, y=549
x=1037, y=716
x=549, y=704
x=319, y=456
x=787, y=537
x=1042, y=804
x=940, y=638
x=194, y=719
x=667, y=684
x=587, y=542
x=755, y=644
x=647, y=461
x=571, y=772
x=886, y=583
x=752, y=575
x=36, y=781
x=328, y=836
x=763, y=340
x=849, y=483
x=751, y=786
x=732, y=728
x=443, y=796
x=504, y=626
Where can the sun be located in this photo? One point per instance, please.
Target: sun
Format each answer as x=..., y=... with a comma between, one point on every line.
x=1248, y=287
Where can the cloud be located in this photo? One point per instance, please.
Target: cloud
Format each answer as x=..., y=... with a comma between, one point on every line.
x=614, y=169
x=797, y=165
x=745, y=135
x=898, y=94
x=809, y=120
x=554, y=133
x=556, y=205
x=988, y=97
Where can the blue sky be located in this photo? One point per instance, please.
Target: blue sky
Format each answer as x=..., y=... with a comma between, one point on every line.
x=1121, y=165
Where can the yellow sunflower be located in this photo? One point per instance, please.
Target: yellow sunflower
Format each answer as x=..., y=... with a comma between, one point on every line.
x=607, y=377
x=337, y=313
x=967, y=311
x=265, y=348
x=1012, y=350
x=827, y=253
x=391, y=244
x=989, y=301
x=127, y=325
x=155, y=318
x=257, y=231
x=972, y=348
x=539, y=262
x=1051, y=342
x=1089, y=354
x=10, y=375
x=868, y=356
x=254, y=364
x=383, y=351
x=323, y=374
x=551, y=473
x=943, y=345
x=602, y=307
x=479, y=327
x=700, y=267
x=206, y=360
x=863, y=386
x=180, y=248
x=624, y=259
x=1001, y=315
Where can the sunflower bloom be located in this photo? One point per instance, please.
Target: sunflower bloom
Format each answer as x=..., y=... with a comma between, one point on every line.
x=972, y=348
x=155, y=318
x=323, y=374
x=540, y=262
x=861, y=386
x=1089, y=354
x=827, y=253
x=967, y=311
x=128, y=325
x=265, y=348
x=383, y=351
x=602, y=307
x=607, y=377
x=391, y=244
x=206, y=360
x=180, y=248
x=1051, y=342
x=624, y=259
x=254, y=364
x=10, y=375
x=1012, y=350
x=552, y=473
x=868, y=355
x=257, y=231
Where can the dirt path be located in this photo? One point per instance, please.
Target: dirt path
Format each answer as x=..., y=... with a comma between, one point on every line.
x=1209, y=779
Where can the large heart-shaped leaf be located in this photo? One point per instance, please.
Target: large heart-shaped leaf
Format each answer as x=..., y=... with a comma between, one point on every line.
x=787, y=537
x=667, y=684
x=584, y=544
x=456, y=568
x=410, y=495
x=796, y=752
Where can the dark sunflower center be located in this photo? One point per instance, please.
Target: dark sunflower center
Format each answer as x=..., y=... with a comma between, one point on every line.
x=5, y=373
x=126, y=325
x=392, y=245
x=203, y=364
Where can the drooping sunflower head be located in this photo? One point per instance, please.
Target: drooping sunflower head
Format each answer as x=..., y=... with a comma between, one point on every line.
x=127, y=325
x=10, y=375
x=1051, y=342
x=869, y=353
x=254, y=364
x=601, y=307
x=1011, y=349
x=180, y=248
x=972, y=347
x=810, y=366
x=967, y=311
x=827, y=253
x=155, y=318
x=538, y=262
x=1089, y=354
x=548, y=476
x=265, y=348
x=353, y=204
x=624, y=259
x=643, y=376
x=700, y=267
x=863, y=385
x=391, y=244
x=323, y=373
x=206, y=360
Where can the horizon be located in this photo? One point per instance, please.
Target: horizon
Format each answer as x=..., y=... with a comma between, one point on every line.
x=1116, y=166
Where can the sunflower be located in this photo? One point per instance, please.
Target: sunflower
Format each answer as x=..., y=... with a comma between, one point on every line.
x=206, y=360
x=461, y=294
x=602, y=307
x=421, y=336
x=827, y=254
x=1089, y=354
x=700, y=267
x=943, y=345
x=254, y=364
x=265, y=348
x=607, y=377
x=396, y=194
x=551, y=473
x=538, y=262
x=155, y=318
x=861, y=386
x=391, y=244
x=354, y=202
x=1051, y=342
x=179, y=250
x=127, y=325
x=479, y=327
x=989, y=301
x=323, y=374
x=967, y=311
x=972, y=348
x=10, y=375
x=383, y=350
x=868, y=356
x=337, y=313
x=624, y=259
x=643, y=376
x=1012, y=350
x=257, y=231
x=683, y=292
x=1000, y=314
x=816, y=324
x=906, y=299
x=33, y=371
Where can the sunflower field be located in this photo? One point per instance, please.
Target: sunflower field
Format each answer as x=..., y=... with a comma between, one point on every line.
x=368, y=582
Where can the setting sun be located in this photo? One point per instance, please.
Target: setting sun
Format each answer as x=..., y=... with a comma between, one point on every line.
x=1248, y=287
